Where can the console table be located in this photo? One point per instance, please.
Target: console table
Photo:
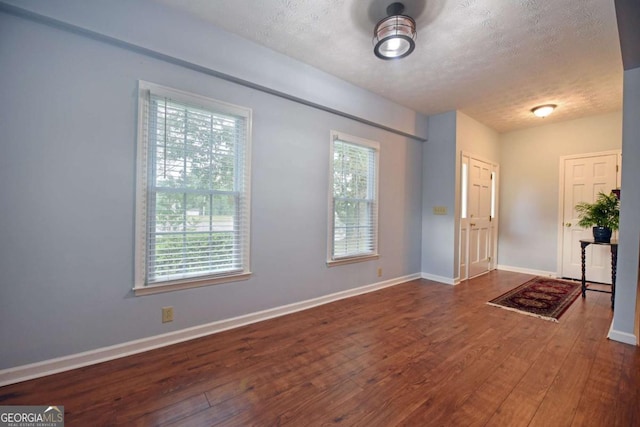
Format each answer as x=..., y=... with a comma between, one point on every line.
x=614, y=260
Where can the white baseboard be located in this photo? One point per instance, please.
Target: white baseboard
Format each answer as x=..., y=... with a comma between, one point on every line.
x=623, y=337
x=527, y=271
x=440, y=279
x=73, y=361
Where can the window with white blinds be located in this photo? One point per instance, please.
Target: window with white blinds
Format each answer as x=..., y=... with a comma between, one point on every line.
x=193, y=190
x=353, y=214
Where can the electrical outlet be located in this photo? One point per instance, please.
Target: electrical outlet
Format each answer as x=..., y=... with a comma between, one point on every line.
x=167, y=314
x=439, y=210
x=379, y=271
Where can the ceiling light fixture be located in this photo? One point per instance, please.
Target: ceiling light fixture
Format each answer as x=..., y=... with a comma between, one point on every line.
x=543, y=110
x=394, y=36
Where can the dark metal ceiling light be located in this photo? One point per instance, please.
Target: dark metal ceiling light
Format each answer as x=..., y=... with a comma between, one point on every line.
x=394, y=36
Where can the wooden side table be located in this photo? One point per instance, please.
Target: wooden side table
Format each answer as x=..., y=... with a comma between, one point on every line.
x=614, y=260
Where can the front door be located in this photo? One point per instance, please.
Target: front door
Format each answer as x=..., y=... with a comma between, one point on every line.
x=479, y=216
x=584, y=178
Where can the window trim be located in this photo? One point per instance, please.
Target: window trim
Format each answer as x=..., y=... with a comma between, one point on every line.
x=143, y=176
x=349, y=259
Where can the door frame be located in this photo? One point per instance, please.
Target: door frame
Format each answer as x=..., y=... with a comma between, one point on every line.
x=563, y=159
x=464, y=222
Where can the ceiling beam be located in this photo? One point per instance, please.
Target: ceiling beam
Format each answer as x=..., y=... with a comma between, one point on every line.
x=628, y=15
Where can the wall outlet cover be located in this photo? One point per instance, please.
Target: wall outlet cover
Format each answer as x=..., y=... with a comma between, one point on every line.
x=167, y=314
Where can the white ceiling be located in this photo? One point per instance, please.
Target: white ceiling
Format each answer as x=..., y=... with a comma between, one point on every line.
x=491, y=59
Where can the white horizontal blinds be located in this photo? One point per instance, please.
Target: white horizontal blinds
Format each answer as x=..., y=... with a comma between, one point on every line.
x=355, y=206
x=197, y=210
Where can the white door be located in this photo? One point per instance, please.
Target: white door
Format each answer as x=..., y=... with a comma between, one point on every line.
x=584, y=178
x=479, y=217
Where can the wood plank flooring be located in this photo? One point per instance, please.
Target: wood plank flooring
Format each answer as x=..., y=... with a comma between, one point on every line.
x=416, y=354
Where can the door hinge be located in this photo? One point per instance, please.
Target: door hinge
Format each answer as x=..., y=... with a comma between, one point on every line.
x=617, y=168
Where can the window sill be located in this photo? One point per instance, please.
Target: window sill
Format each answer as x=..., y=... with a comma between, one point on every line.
x=351, y=260
x=188, y=284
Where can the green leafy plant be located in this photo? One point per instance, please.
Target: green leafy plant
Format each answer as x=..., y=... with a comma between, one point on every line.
x=604, y=212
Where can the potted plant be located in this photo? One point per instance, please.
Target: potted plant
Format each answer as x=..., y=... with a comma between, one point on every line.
x=603, y=215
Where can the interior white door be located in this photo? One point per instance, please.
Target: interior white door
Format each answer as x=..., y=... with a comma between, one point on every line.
x=479, y=215
x=584, y=178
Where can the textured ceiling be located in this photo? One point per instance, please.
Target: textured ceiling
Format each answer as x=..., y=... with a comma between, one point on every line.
x=491, y=59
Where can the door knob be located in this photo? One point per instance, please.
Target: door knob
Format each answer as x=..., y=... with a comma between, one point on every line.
x=568, y=224
x=472, y=224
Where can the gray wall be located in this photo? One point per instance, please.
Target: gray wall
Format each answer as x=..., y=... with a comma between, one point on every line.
x=439, y=189
x=529, y=168
x=628, y=252
x=449, y=134
x=67, y=185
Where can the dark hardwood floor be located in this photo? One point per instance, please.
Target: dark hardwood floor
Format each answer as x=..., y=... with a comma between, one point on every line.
x=416, y=354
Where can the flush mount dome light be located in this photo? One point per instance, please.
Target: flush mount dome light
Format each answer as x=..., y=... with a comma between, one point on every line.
x=543, y=110
x=394, y=36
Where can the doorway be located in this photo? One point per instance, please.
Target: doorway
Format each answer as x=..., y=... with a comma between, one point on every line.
x=478, y=216
x=582, y=178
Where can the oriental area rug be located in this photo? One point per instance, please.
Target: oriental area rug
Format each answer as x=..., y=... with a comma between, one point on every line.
x=540, y=297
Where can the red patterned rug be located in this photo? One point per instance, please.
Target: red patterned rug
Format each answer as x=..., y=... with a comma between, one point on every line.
x=541, y=297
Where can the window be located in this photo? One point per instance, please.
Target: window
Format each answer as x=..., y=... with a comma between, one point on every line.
x=493, y=194
x=353, y=213
x=192, y=216
x=465, y=187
